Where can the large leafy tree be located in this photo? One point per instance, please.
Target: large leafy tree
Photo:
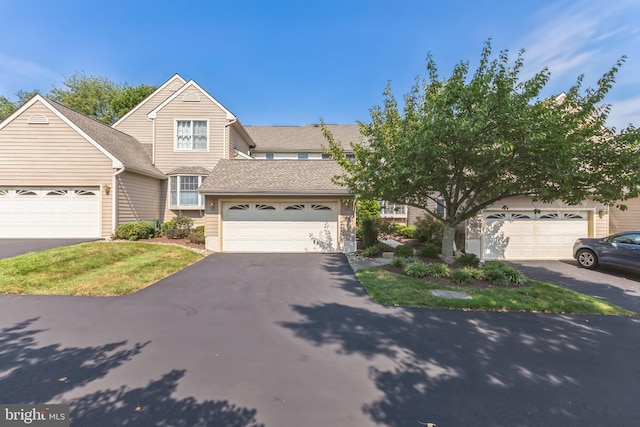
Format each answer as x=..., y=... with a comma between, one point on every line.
x=472, y=140
x=99, y=97
x=93, y=96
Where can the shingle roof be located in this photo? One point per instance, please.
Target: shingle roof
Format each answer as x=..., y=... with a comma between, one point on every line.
x=307, y=138
x=189, y=170
x=123, y=147
x=265, y=177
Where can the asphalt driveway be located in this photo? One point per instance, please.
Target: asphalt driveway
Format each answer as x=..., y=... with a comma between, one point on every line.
x=615, y=286
x=14, y=247
x=293, y=340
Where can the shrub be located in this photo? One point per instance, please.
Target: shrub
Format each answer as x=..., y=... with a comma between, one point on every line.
x=166, y=226
x=460, y=276
x=469, y=260
x=196, y=235
x=437, y=270
x=497, y=277
x=429, y=230
x=200, y=229
x=416, y=269
x=404, y=230
x=174, y=233
x=510, y=272
x=403, y=251
x=135, y=230
x=400, y=262
x=372, y=251
x=475, y=273
x=182, y=222
x=430, y=251
x=369, y=232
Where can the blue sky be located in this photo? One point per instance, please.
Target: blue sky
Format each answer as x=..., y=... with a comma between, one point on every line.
x=292, y=62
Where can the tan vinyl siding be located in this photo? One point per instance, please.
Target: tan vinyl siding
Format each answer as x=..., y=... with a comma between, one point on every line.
x=166, y=157
x=137, y=124
x=237, y=141
x=212, y=217
x=625, y=220
x=52, y=154
x=139, y=197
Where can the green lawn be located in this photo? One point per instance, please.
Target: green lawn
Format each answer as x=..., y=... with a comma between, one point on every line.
x=390, y=288
x=93, y=269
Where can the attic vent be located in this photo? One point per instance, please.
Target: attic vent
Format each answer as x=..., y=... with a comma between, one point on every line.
x=174, y=87
x=38, y=119
x=191, y=97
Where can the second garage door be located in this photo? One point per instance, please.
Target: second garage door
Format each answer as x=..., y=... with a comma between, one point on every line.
x=523, y=235
x=279, y=227
x=49, y=212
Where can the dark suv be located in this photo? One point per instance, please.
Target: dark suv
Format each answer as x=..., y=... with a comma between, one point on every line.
x=620, y=250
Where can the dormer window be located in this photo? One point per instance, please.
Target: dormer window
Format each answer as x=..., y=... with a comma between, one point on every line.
x=303, y=156
x=191, y=135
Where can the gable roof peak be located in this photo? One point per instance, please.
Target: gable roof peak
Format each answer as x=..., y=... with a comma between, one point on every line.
x=187, y=85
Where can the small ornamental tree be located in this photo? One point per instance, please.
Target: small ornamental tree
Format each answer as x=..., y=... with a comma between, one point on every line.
x=469, y=141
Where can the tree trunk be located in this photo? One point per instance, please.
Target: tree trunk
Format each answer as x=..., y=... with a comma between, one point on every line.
x=448, y=238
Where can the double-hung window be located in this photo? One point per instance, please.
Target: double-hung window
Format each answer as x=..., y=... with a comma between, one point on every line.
x=191, y=135
x=184, y=191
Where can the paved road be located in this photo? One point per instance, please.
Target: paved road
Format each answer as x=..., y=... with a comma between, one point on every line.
x=292, y=340
x=14, y=247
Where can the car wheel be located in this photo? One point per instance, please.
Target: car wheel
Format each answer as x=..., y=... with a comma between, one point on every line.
x=587, y=259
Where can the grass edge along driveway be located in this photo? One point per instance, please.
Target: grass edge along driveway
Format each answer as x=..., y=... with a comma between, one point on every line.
x=93, y=269
x=389, y=288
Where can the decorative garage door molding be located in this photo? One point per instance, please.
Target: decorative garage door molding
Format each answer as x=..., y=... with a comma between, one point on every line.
x=56, y=212
x=528, y=235
x=279, y=227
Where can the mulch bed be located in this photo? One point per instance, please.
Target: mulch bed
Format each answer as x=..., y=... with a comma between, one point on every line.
x=181, y=242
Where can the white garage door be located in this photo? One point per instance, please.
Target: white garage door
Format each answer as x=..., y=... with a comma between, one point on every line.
x=279, y=227
x=523, y=235
x=50, y=212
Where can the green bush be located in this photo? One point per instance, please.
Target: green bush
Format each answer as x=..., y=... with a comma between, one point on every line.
x=430, y=251
x=367, y=209
x=385, y=247
x=469, y=260
x=373, y=251
x=196, y=235
x=416, y=269
x=497, y=277
x=460, y=276
x=182, y=222
x=369, y=232
x=135, y=230
x=512, y=274
x=400, y=262
x=429, y=230
x=175, y=233
x=438, y=270
x=404, y=230
x=166, y=226
x=475, y=273
x=403, y=251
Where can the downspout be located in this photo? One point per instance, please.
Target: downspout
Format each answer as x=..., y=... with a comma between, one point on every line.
x=224, y=146
x=114, y=199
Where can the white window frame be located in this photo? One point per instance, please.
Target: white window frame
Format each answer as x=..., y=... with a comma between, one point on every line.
x=392, y=210
x=192, y=149
x=177, y=179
